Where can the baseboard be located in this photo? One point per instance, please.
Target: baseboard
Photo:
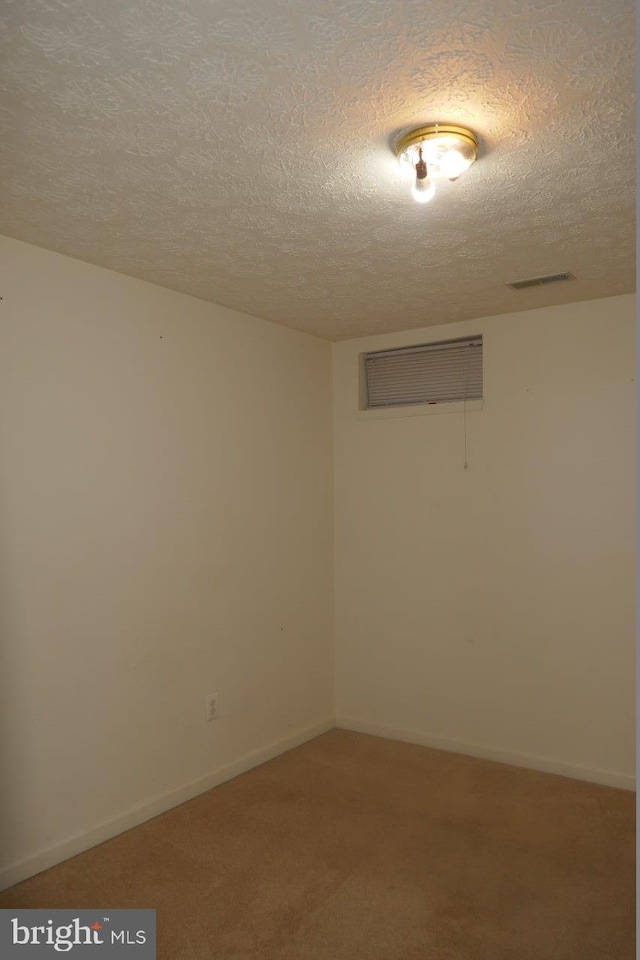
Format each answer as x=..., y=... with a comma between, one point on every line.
x=608, y=778
x=16, y=872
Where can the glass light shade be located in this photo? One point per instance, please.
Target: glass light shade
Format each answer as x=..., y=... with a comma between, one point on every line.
x=423, y=190
x=407, y=168
x=447, y=156
x=453, y=164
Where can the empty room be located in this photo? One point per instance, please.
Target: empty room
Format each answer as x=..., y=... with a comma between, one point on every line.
x=317, y=479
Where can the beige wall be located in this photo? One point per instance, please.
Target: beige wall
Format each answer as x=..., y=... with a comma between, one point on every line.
x=492, y=610
x=165, y=532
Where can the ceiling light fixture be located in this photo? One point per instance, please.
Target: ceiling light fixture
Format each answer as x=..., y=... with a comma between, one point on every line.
x=436, y=151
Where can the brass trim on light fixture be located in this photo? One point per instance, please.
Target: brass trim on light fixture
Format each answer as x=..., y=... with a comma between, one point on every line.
x=432, y=130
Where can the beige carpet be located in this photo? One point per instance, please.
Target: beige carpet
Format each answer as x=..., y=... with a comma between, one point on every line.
x=357, y=848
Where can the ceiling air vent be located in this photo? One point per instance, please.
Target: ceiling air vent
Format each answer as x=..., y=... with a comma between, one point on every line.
x=540, y=281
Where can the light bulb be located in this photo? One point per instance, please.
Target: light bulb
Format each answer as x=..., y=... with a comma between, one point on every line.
x=452, y=164
x=423, y=190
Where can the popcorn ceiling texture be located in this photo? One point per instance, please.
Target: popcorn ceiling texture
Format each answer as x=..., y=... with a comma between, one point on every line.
x=242, y=151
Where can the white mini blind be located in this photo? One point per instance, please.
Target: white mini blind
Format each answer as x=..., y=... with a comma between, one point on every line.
x=432, y=373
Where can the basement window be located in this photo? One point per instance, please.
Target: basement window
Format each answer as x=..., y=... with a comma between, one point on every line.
x=446, y=372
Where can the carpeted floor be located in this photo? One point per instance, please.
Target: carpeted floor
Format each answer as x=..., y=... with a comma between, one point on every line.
x=356, y=848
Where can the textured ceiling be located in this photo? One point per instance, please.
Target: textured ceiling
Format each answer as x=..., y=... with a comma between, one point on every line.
x=241, y=151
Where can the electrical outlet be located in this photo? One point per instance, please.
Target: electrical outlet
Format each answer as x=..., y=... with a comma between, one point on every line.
x=211, y=707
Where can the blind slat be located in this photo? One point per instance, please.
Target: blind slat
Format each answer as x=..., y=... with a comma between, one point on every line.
x=430, y=373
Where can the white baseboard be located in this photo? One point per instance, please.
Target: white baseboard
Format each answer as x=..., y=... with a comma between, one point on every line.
x=49, y=857
x=16, y=872
x=608, y=778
